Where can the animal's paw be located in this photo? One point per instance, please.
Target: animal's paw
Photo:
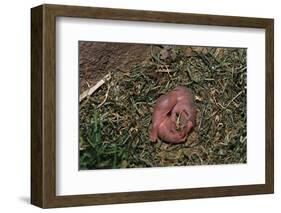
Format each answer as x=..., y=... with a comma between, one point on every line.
x=153, y=136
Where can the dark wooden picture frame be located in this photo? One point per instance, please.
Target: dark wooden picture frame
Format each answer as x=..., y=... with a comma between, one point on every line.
x=43, y=105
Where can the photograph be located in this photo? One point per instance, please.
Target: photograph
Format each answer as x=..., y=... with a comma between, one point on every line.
x=159, y=105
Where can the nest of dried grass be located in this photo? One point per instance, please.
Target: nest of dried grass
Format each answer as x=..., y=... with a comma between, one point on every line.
x=115, y=121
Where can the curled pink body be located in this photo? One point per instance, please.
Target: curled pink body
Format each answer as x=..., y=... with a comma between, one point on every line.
x=175, y=107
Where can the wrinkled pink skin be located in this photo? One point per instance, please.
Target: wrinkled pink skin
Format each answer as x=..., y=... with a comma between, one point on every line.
x=165, y=112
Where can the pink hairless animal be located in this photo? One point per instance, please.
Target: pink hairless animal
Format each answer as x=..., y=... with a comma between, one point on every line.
x=174, y=115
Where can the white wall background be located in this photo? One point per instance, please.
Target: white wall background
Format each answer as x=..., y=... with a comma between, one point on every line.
x=15, y=104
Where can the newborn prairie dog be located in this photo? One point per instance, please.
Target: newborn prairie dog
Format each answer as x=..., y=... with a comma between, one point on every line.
x=174, y=116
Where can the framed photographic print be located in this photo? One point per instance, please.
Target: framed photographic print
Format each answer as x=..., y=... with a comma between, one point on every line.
x=136, y=106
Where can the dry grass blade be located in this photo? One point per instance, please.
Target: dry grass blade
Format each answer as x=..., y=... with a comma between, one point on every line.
x=91, y=90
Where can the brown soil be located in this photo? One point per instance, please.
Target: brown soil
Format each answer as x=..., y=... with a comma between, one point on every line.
x=96, y=59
